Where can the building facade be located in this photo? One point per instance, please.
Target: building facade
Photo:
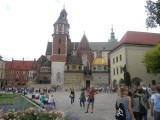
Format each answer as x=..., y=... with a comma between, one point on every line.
x=20, y=72
x=77, y=64
x=129, y=52
x=2, y=73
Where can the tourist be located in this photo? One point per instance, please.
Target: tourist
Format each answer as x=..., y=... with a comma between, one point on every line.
x=82, y=98
x=155, y=104
x=135, y=105
x=144, y=101
x=126, y=101
x=43, y=99
x=91, y=98
x=51, y=101
x=72, y=95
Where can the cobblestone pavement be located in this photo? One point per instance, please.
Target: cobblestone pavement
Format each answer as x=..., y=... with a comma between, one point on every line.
x=104, y=106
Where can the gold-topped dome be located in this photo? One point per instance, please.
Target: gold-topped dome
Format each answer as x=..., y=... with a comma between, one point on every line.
x=99, y=61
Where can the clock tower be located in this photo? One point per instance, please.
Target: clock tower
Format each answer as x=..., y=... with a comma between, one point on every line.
x=59, y=48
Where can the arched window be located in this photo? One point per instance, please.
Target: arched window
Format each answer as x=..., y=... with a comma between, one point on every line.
x=58, y=76
x=84, y=59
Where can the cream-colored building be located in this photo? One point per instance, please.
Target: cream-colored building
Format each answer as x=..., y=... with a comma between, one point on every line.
x=2, y=73
x=130, y=51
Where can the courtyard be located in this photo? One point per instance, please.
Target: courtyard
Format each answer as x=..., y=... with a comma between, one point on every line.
x=104, y=105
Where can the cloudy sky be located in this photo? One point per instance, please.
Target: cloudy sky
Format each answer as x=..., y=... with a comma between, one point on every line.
x=27, y=25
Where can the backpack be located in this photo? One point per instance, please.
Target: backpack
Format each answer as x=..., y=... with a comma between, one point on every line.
x=157, y=104
x=120, y=112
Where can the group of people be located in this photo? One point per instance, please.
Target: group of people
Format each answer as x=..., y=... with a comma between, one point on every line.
x=47, y=99
x=136, y=103
x=88, y=95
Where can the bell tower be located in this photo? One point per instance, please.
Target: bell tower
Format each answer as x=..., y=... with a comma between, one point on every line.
x=59, y=48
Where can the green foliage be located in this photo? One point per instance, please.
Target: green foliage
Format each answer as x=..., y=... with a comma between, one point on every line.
x=127, y=78
x=153, y=13
x=152, y=60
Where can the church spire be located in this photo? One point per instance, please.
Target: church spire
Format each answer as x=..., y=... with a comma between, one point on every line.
x=112, y=35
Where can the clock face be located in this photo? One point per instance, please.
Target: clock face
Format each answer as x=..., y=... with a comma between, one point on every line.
x=99, y=67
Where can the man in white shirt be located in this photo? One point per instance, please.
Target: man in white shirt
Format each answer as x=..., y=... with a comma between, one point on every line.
x=155, y=104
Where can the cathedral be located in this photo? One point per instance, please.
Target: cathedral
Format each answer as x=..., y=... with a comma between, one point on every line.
x=78, y=64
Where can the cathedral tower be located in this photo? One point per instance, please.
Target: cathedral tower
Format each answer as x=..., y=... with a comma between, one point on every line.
x=59, y=48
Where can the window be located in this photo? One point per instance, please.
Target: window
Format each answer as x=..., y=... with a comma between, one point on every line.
x=84, y=59
x=79, y=67
x=117, y=71
x=17, y=72
x=11, y=72
x=113, y=60
x=120, y=57
x=116, y=59
x=58, y=76
x=113, y=71
x=104, y=68
x=59, y=51
x=153, y=82
x=67, y=67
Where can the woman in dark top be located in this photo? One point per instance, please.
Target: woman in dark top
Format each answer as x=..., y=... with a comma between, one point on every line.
x=82, y=98
x=72, y=95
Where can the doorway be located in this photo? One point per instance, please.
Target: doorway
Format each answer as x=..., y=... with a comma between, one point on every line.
x=87, y=83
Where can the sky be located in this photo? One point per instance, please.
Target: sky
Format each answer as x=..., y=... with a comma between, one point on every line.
x=26, y=26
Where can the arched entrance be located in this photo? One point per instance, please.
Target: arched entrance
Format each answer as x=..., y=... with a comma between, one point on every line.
x=87, y=83
x=121, y=81
x=135, y=81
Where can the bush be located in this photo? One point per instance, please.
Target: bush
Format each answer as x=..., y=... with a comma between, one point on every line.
x=33, y=114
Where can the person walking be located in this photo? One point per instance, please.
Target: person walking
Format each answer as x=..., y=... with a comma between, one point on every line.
x=72, y=95
x=135, y=105
x=91, y=98
x=82, y=98
x=155, y=104
x=144, y=101
x=126, y=101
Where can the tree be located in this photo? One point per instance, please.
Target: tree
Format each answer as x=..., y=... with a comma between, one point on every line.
x=153, y=13
x=152, y=60
x=127, y=78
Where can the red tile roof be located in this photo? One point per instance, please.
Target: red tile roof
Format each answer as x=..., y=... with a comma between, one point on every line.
x=144, y=38
x=19, y=64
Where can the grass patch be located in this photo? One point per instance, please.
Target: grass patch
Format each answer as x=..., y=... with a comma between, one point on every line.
x=12, y=98
x=7, y=98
